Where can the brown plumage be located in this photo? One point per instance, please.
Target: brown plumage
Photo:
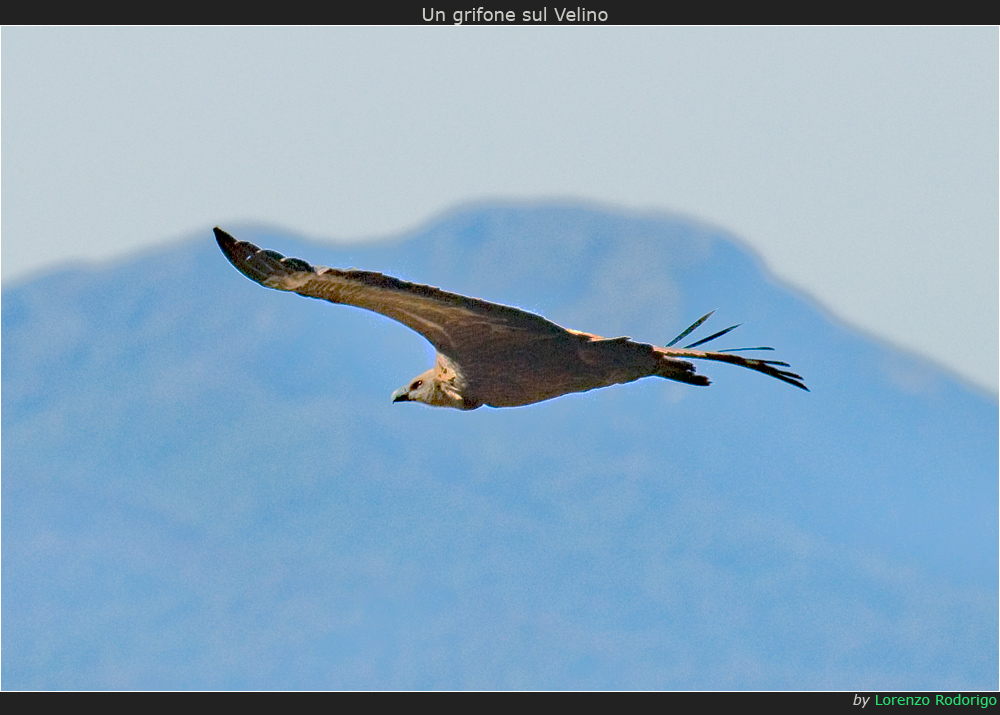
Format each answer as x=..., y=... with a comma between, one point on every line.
x=488, y=354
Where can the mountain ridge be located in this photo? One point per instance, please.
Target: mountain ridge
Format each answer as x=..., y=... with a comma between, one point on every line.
x=194, y=459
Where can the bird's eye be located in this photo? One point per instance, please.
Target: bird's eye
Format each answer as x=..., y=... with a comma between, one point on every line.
x=416, y=384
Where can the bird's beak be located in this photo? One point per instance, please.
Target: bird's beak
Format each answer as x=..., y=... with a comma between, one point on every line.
x=400, y=395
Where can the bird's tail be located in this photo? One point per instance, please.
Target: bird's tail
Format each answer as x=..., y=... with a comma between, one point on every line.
x=767, y=367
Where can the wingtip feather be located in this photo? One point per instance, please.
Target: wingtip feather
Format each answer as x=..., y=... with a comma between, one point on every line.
x=222, y=238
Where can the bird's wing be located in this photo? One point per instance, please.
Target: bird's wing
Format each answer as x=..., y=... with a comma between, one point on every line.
x=462, y=328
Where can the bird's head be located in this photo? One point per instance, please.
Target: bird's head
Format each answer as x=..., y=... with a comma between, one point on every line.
x=431, y=390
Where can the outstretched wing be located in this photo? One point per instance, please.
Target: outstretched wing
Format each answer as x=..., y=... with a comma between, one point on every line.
x=461, y=328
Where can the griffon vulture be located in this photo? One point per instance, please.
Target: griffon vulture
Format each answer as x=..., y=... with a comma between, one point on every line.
x=489, y=354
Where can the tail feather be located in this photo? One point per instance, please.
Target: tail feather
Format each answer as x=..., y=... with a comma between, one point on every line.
x=766, y=367
x=762, y=366
x=712, y=337
x=740, y=350
x=690, y=329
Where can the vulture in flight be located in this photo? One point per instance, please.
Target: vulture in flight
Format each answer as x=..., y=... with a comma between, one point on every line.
x=487, y=353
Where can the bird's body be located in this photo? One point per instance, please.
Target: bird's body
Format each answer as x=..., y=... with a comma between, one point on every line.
x=487, y=353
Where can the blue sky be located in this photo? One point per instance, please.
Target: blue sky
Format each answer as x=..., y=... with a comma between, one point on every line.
x=860, y=163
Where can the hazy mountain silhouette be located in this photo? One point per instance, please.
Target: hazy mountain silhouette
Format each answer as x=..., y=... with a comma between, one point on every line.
x=205, y=484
